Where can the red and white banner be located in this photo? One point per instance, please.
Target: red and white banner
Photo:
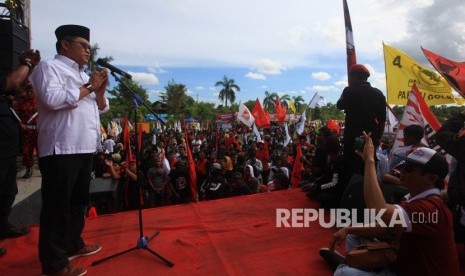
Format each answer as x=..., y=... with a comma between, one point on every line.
x=418, y=112
x=350, y=45
x=245, y=116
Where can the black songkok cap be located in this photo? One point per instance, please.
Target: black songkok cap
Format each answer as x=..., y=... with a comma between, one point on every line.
x=72, y=30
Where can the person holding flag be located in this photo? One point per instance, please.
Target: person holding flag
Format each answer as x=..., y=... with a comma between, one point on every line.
x=364, y=108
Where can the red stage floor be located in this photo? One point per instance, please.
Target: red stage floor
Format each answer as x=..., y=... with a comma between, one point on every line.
x=234, y=236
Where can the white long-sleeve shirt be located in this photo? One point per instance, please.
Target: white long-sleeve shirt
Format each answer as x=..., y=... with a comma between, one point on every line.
x=66, y=124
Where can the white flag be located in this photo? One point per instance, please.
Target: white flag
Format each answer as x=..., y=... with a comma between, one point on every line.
x=288, y=137
x=257, y=133
x=301, y=123
x=315, y=100
x=391, y=121
x=245, y=116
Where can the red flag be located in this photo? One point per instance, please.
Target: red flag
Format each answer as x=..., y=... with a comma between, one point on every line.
x=452, y=71
x=261, y=117
x=350, y=45
x=216, y=140
x=139, y=139
x=297, y=168
x=191, y=167
x=126, y=134
x=127, y=142
x=280, y=111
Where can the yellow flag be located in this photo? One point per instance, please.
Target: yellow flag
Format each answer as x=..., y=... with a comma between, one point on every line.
x=292, y=106
x=402, y=72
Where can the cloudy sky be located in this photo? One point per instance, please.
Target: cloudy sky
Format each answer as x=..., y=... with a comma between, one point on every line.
x=294, y=47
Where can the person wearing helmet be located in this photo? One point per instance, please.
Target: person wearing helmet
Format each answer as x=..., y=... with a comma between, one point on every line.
x=365, y=110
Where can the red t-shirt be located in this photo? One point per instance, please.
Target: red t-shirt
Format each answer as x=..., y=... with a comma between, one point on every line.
x=429, y=249
x=262, y=155
x=200, y=167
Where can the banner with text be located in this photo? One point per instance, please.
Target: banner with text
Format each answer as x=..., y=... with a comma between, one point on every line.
x=402, y=72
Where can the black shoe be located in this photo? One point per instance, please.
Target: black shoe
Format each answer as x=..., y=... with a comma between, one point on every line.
x=2, y=251
x=28, y=173
x=14, y=232
x=332, y=257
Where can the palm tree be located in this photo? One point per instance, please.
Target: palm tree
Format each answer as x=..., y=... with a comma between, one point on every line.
x=228, y=92
x=298, y=102
x=269, y=101
x=92, y=64
x=285, y=100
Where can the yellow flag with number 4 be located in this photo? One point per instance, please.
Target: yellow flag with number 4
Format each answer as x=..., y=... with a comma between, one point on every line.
x=402, y=72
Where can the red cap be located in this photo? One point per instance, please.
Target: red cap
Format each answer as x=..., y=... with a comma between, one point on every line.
x=359, y=68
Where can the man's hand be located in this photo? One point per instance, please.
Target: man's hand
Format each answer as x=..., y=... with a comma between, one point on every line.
x=109, y=162
x=368, y=153
x=338, y=238
x=30, y=58
x=99, y=81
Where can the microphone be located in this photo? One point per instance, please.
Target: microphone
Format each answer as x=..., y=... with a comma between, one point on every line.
x=112, y=68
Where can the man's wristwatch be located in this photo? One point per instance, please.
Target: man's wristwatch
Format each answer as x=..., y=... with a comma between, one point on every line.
x=89, y=87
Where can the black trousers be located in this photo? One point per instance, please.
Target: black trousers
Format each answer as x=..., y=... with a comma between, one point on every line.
x=65, y=194
x=8, y=189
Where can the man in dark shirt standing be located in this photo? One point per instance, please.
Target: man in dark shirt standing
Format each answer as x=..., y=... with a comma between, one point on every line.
x=365, y=109
x=9, y=143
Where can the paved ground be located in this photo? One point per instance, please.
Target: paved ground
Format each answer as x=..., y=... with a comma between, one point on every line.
x=26, y=208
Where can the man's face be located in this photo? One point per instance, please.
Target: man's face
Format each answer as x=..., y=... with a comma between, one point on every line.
x=408, y=140
x=77, y=49
x=411, y=174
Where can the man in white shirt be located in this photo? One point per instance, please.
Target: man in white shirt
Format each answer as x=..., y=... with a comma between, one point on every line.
x=70, y=103
x=109, y=144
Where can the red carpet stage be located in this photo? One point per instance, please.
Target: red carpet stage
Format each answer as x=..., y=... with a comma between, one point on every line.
x=234, y=236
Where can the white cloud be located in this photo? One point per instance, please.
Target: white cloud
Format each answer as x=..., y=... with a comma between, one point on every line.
x=322, y=88
x=299, y=35
x=322, y=76
x=341, y=83
x=156, y=69
x=144, y=78
x=255, y=76
x=199, y=88
x=270, y=67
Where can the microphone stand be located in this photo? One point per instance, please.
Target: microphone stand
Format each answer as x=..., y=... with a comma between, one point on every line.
x=142, y=240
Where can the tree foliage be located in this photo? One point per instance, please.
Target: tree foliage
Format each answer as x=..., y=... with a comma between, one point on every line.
x=441, y=112
x=122, y=101
x=299, y=103
x=92, y=64
x=228, y=91
x=329, y=111
x=269, y=102
x=176, y=99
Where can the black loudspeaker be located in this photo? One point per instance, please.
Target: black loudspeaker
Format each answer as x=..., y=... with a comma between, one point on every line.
x=14, y=39
x=104, y=194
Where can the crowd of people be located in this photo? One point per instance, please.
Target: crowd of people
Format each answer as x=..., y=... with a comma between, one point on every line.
x=227, y=163
x=63, y=126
